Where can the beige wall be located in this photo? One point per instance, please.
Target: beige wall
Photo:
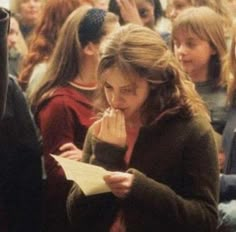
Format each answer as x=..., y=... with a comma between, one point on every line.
x=5, y=3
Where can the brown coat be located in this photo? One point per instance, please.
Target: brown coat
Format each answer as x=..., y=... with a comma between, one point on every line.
x=175, y=186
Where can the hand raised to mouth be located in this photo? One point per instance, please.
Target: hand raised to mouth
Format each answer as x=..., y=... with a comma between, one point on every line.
x=111, y=127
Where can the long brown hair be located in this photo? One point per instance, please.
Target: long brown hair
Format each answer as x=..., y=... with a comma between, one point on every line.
x=136, y=49
x=65, y=62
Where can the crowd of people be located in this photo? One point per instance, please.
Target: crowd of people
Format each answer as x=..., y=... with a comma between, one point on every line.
x=143, y=88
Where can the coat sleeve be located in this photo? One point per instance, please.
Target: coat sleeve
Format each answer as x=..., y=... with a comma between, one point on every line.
x=103, y=154
x=196, y=208
x=57, y=125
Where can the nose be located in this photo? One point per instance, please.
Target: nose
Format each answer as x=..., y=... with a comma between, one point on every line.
x=173, y=14
x=180, y=50
x=116, y=101
x=12, y=39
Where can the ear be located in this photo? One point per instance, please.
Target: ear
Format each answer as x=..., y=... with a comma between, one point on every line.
x=91, y=49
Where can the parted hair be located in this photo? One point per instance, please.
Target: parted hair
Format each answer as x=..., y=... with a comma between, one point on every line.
x=139, y=50
x=206, y=24
x=65, y=62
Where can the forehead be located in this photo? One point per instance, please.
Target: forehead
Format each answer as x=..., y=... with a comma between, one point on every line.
x=13, y=22
x=184, y=32
x=181, y=2
x=117, y=77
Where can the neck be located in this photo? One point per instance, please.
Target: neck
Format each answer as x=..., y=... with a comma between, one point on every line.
x=133, y=123
x=86, y=77
x=87, y=72
x=199, y=76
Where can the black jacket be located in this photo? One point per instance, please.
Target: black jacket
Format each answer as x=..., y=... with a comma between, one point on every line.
x=20, y=164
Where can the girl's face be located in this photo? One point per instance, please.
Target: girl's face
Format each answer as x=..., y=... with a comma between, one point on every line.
x=176, y=6
x=30, y=10
x=13, y=33
x=146, y=12
x=193, y=53
x=232, y=6
x=125, y=95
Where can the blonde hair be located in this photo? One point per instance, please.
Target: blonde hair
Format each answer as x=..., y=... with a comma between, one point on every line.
x=64, y=64
x=207, y=25
x=232, y=65
x=137, y=49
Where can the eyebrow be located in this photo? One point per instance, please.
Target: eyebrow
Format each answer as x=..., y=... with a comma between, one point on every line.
x=121, y=87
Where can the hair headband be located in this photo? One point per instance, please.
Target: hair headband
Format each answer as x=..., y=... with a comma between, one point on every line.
x=91, y=26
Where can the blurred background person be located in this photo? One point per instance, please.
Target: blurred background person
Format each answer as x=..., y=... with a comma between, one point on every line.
x=148, y=13
x=43, y=41
x=219, y=6
x=20, y=152
x=28, y=12
x=15, y=54
x=62, y=101
x=200, y=47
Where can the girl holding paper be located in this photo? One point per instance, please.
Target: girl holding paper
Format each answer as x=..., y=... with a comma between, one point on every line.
x=156, y=139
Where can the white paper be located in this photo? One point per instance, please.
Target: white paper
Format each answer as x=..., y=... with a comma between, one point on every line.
x=89, y=177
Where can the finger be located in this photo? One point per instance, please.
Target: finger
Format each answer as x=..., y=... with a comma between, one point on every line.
x=113, y=122
x=75, y=157
x=114, y=178
x=126, y=4
x=68, y=154
x=104, y=130
x=66, y=146
x=121, y=193
x=121, y=123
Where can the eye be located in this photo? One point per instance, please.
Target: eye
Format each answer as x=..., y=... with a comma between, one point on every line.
x=107, y=86
x=191, y=44
x=127, y=91
x=143, y=12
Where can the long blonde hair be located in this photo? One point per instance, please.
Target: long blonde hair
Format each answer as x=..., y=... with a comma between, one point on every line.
x=136, y=49
x=232, y=65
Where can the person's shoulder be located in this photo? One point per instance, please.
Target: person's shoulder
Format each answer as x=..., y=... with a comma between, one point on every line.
x=13, y=83
x=196, y=125
x=200, y=121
